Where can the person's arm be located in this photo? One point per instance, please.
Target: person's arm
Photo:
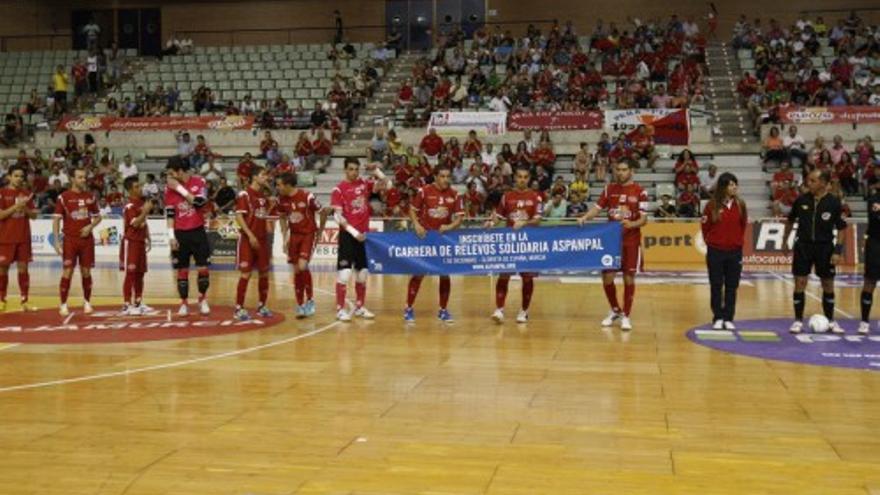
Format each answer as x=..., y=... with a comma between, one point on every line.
x=56, y=229
x=592, y=213
x=141, y=220
x=285, y=230
x=242, y=223
x=789, y=224
x=17, y=206
x=95, y=215
x=840, y=224
x=414, y=218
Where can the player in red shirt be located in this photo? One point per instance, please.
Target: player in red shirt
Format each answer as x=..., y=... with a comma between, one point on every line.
x=77, y=208
x=134, y=247
x=626, y=203
x=297, y=208
x=16, y=210
x=435, y=207
x=244, y=170
x=186, y=197
x=253, y=213
x=350, y=201
x=520, y=207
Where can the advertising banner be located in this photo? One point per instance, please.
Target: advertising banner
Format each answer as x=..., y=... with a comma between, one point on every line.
x=555, y=121
x=109, y=124
x=830, y=115
x=460, y=123
x=673, y=242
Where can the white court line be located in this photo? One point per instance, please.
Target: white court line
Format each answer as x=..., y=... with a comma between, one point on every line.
x=3, y=347
x=69, y=317
x=811, y=295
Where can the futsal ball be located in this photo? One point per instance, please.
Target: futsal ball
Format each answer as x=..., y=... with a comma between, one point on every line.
x=819, y=324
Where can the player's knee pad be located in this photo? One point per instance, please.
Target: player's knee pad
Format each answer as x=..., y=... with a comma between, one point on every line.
x=342, y=276
x=362, y=275
x=183, y=287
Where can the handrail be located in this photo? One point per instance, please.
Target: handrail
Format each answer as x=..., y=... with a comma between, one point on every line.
x=841, y=9
x=51, y=37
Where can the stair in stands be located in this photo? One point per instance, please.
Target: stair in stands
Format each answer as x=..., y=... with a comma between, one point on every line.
x=730, y=122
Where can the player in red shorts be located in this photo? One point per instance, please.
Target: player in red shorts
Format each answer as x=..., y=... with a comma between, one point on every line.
x=626, y=203
x=134, y=247
x=253, y=212
x=16, y=210
x=297, y=209
x=437, y=207
x=521, y=207
x=77, y=209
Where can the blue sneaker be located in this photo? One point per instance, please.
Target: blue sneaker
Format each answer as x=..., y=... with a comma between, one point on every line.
x=409, y=315
x=444, y=316
x=241, y=314
x=310, y=307
x=264, y=312
x=301, y=311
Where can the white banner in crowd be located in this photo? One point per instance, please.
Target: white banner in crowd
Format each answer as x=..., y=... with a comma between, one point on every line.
x=460, y=123
x=627, y=120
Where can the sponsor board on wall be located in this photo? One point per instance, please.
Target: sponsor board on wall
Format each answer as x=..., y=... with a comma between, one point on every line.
x=460, y=123
x=672, y=242
x=109, y=124
x=830, y=115
x=555, y=121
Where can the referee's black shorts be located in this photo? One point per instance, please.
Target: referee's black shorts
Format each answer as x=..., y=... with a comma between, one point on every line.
x=872, y=259
x=192, y=244
x=810, y=255
x=352, y=253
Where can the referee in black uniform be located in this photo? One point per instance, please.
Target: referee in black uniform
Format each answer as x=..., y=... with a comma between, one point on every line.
x=871, y=259
x=817, y=214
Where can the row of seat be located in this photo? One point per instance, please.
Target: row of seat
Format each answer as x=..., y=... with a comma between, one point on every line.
x=313, y=47
x=266, y=57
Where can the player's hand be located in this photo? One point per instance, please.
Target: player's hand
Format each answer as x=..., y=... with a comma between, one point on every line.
x=58, y=248
x=85, y=231
x=149, y=245
x=444, y=228
x=287, y=245
x=173, y=244
x=254, y=242
x=172, y=183
x=582, y=221
x=627, y=224
x=361, y=237
x=519, y=224
x=148, y=206
x=489, y=224
x=835, y=259
x=420, y=231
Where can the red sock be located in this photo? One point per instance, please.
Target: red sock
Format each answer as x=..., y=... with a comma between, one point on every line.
x=414, y=283
x=629, y=294
x=4, y=284
x=139, y=287
x=501, y=291
x=611, y=295
x=307, y=279
x=360, y=290
x=24, y=285
x=241, y=291
x=528, y=287
x=263, y=287
x=87, y=288
x=127, y=287
x=64, y=289
x=340, y=296
x=445, y=288
x=299, y=286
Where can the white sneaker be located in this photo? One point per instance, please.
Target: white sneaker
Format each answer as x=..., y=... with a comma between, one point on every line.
x=718, y=325
x=728, y=325
x=144, y=309
x=364, y=313
x=625, y=324
x=183, y=311
x=864, y=328
x=835, y=328
x=611, y=318
x=498, y=315
x=87, y=308
x=796, y=327
x=522, y=317
x=204, y=309
x=343, y=315
x=63, y=311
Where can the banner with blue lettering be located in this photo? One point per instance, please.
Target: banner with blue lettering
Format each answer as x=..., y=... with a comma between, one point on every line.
x=481, y=251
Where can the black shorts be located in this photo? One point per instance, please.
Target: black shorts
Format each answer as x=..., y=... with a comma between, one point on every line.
x=352, y=253
x=813, y=254
x=191, y=244
x=872, y=259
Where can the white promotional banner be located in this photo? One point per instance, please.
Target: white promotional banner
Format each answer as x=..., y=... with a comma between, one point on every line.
x=460, y=123
x=107, y=234
x=627, y=120
x=326, y=249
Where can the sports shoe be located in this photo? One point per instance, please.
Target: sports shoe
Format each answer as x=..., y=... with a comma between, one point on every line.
x=183, y=311
x=409, y=315
x=343, y=315
x=27, y=307
x=444, y=316
x=364, y=313
x=204, y=309
x=796, y=327
x=241, y=314
x=63, y=311
x=126, y=310
x=144, y=309
x=310, y=307
x=835, y=328
x=611, y=318
x=522, y=316
x=498, y=315
x=718, y=325
x=300, y=312
x=625, y=324
x=264, y=312
x=87, y=308
x=864, y=328
x=728, y=325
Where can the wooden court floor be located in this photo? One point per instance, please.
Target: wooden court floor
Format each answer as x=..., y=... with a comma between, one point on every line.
x=317, y=407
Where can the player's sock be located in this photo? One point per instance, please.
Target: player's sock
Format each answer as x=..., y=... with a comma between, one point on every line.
x=828, y=305
x=204, y=281
x=799, y=302
x=183, y=285
x=241, y=291
x=64, y=289
x=867, y=300
x=415, y=282
x=138, y=288
x=87, y=288
x=360, y=290
x=629, y=294
x=299, y=286
x=340, y=295
x=611, y=295
x=445, y=289
x=263, y=288
x=127, y=288
x=307, y=279
x=501, y=291
x=4, y=284
x=24, y=285
x=528, y=288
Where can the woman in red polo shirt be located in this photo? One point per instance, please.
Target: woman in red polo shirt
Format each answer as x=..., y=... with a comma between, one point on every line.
x=724, y=227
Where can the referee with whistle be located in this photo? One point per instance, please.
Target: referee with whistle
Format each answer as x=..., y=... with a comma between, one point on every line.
x=817, y=214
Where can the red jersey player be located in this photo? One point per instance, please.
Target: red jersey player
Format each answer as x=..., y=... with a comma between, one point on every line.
x=252, y=214
x=350, y=201
x=134, y=246
x=77, y=209
x=186, y=196
x=437, y=207
x=296, y=209
x=520, y=207
x=626, y=203
x=16, y=210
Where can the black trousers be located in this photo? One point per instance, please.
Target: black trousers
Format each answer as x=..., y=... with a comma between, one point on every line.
x=725, y=269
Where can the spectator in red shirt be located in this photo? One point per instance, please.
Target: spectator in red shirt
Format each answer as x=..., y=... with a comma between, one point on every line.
x=244, y=170
x=305, y=157
x=405, y=94
x=784, y=198
x=267, y=143
x=783, y=177
x=472, y=145
x=688, y=203
x=114, y=198
x=431, y=145
x=322, y=148
x=643, y=146
x=685, y=166
x=80, y=78
x=845, y=172
x=545, y=158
